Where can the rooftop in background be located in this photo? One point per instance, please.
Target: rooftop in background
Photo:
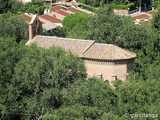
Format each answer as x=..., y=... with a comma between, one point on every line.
x=26, y=17
x=84, y=48
x=74, y=10
x=53, y=18
x=55, y=8
x=143, y=17
x=61, y=12
x=50, y=18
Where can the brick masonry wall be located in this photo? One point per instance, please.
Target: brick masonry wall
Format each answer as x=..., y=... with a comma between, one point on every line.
x=108, y=70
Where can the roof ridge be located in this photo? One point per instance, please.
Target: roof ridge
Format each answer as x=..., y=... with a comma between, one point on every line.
x=88, y=48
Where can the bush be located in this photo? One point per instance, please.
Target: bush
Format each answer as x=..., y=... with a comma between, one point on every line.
x=87, y=8
x=156, y=4
x=115, y=6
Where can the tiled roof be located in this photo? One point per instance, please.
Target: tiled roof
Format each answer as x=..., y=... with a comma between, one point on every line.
x=141, y=16
x=74, y=10
x=107, y=51
x=61, y=12
x=33, y=19
x=50, y=18
x=59, y=16
x=47, y=24
x=76, y=46
x=55, y=8
x=151, y=12
x=84, y=48
x=26, y=17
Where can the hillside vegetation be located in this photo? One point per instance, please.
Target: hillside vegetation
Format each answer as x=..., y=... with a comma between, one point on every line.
x=51, y=84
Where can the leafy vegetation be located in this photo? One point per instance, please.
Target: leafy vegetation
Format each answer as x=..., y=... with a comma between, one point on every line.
x=115, y=6
x=32, y=80
x=74, y=19
x=155, y=22
x=37, y=83
x=13, y=26
x=16, y=7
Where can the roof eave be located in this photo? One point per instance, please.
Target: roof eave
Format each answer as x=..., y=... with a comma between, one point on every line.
x=108, y=59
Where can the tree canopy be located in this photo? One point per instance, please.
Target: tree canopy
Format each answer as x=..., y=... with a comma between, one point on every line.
x=33, y=78
x=74, y=19
x=37, y=83
x=13, y=26
x=155, y=22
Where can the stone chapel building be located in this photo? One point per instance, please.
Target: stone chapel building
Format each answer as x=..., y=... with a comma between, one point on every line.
x=106, y=61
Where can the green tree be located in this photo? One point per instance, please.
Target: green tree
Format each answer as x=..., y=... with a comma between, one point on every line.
x=92, y=92
x=58, y=32
x=34, y=7
x=37, y=80
x=155, y=21
x=138, y=97
x=13, y=26
x=74, y=112
x=74, y=19
x=11, y=53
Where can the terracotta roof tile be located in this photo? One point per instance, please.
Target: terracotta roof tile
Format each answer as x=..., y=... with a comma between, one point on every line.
x=84, y=48
x=26, y=17
x=141, y=16
x=62, y=12
x=55, y=8
x=108, y=52
x=76, y=46
x=51, y=19
x=151, y=12
x=74, y=10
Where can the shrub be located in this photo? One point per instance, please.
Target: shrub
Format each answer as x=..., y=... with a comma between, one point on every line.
x=115, y=6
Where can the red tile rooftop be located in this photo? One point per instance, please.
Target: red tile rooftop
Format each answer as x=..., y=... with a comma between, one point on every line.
x=55, y=8
x=142, y=16
x=74, y=10
x=51, y=19
x=62, y=12
x=26, y=17
x=151, y=12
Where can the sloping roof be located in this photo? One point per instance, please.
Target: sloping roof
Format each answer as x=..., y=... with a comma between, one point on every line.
x=61, y=12
x=74, y=10
x=26, y=17
x=84, y=48
x=55, y=8
x=76, y=46
x=50, y=18
x=33, y=18
x=108, y=52
x=151, y=12
x=141, y=16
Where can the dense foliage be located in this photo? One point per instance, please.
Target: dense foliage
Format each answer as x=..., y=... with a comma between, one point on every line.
x=32, y=78
x=74, y=19
x=16, y=7
x=156, y=20
x=13, y=26
x=51, y=84
x=97, y=3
